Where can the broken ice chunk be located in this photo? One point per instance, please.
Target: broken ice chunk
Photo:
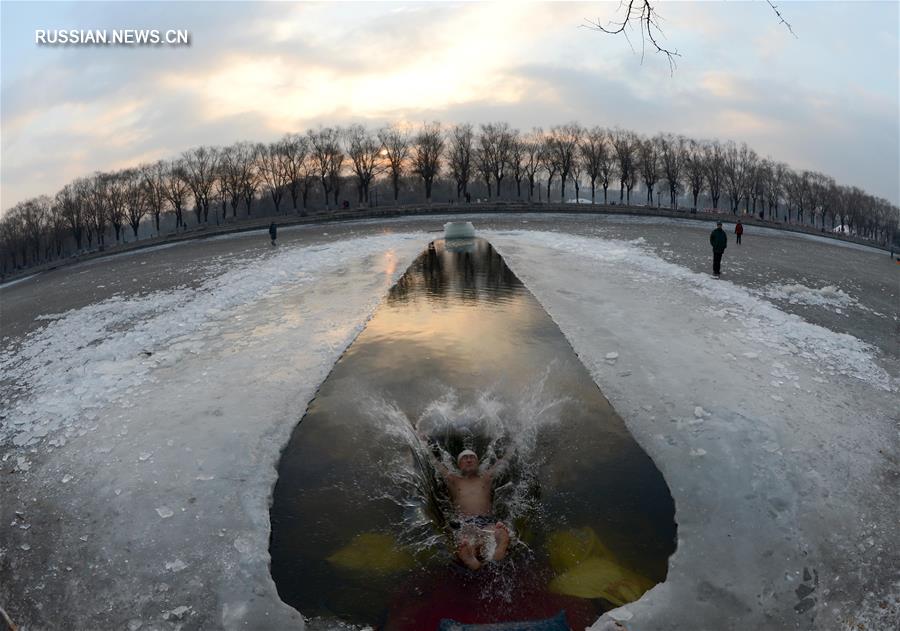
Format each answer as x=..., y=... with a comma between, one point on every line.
x=164, y=512
x=176, y=566
x=177, y=613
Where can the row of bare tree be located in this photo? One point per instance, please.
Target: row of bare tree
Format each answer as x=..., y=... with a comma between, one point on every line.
x=493, y=157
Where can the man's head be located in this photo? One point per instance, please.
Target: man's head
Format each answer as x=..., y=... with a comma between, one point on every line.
x=719, y=223
x=467, y=461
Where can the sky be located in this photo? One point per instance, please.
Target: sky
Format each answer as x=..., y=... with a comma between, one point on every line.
x=826, y=100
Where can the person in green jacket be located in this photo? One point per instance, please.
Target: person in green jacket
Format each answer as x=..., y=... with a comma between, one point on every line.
x=719, y=241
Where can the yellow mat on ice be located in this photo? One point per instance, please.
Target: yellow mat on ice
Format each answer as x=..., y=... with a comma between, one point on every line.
x=587, y=569
x=372, y=552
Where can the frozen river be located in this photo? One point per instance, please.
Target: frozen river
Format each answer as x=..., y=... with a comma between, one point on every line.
x=146, y=398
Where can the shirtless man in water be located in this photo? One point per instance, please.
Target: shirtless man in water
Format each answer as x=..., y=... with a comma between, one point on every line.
x=471, y=491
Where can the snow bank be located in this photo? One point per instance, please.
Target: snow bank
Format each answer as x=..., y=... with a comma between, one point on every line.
x=757, y=322
x=827, y=296
x=88, y=358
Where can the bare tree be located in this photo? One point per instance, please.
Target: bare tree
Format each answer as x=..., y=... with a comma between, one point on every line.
x=428, y=147
x=199, y=166
x=459, y=156
x=739, y=164
x=223, y=185
x=251, y=178
x=113, y=188
x=607, y=165
x=70, y=200
x=672, y=151
x=135, y=195
x=496, y=142
x=395, y=142
x=33, y=214
x=153, y=177
x=177, y=189
x=56, y=229
x=694, y=170
x=804, y=194
x=548, y=162
x=563, y=145
x=714, y=162
x=625, y=144
x=591, y=149
x=576, y=171
x=296, y=151
x=532, y=159
x=307, y=179
x=648, y=164
x=335, y=168
x=366, y=158
x=12, y=232
x=518, y=154
x=483, y=161
x=821, y=197
x=236, y=160
x=271, y=160
x=329, y=157
x=775, y=183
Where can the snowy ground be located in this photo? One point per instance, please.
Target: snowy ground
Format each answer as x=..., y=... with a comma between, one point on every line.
x=146, y=400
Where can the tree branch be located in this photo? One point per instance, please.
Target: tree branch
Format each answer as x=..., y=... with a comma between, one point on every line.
x=647, y=18
x=781, y=17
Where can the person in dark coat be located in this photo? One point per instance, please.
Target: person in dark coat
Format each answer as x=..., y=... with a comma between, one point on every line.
x=273, y=232
x=719, y=241
x=738, y=231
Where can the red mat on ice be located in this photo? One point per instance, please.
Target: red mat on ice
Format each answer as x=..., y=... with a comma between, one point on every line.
x=455, y=595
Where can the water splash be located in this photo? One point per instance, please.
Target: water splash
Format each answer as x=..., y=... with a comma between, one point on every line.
x=493, y=425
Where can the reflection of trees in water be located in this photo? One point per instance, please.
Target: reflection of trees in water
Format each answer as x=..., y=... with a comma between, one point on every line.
x=467, y=270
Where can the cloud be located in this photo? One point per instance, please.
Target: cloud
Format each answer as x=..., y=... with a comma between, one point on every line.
x=258, y=70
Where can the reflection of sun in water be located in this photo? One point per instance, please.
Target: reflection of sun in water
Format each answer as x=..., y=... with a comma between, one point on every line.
x=390, y=263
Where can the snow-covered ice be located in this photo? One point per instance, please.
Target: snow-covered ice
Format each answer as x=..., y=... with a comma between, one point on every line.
x=168, y=411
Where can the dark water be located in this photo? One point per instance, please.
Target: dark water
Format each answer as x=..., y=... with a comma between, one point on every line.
x=464, y=353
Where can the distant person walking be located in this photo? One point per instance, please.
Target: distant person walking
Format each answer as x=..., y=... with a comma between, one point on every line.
x=738, y=231
x=719, y=241
x=273, y=232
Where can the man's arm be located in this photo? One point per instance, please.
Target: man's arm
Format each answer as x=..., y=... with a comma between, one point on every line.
x=499, y=466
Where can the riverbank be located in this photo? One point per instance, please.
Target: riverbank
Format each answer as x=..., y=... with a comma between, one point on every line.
x=204, y=231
